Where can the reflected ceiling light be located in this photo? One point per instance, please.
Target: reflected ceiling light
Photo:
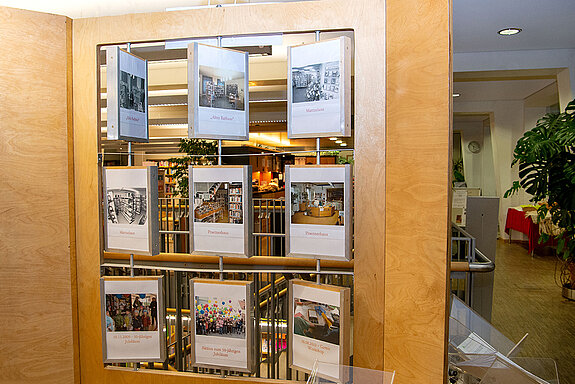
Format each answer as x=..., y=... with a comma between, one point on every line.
x=333, y=138
x=509, y=31
x=456, y=95
x=343, y=144
x=338, y=141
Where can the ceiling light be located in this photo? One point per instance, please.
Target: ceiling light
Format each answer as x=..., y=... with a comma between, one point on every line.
x=509, y=31
x=456, y=95
x=338, y=141
x=333, y=138
x=343, y=144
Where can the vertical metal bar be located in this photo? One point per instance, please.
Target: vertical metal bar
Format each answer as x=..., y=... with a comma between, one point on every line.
x=317, y=149
x=131, y=265
x=219, y=152
x=221, y=268
x=258, y=354
x=273, y=321
x=179, y=333
x=268, y=339
x=318, y=270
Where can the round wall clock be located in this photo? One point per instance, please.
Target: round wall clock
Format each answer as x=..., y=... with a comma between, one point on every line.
x=474, y=146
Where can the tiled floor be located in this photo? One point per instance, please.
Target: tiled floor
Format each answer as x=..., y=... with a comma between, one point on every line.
x=526, y=299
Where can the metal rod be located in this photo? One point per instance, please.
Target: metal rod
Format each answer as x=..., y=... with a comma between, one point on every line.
x=131, y=265
x=179, y=331
x=317, y=159
x=219, y=41
x=318, y=269
x=317, y=35
x=220, y=152
x=272, y=304
x=129, y=153
x=221, y=268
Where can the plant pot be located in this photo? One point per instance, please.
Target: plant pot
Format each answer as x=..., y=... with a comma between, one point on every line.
x=569, y=293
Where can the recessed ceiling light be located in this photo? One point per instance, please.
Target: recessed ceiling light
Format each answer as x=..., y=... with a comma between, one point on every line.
x=333, y=138
x=343, y=144
x=509, y=31
x=338, y=141
x=456, y=95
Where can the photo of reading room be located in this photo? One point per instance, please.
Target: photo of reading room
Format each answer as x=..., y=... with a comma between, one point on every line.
x=127, y=206
x=316, y=82
x=218, y=203
x=317, y=203
x=221, y=88
x=316, y=320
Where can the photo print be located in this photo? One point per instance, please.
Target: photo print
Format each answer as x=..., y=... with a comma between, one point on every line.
x=221, y=88
x=132, y=92
x=317, y=203
x=127, y=206
x=218, y=202
x=131, y=312
x=316, y=82
x=316, y=320
x=220, y=316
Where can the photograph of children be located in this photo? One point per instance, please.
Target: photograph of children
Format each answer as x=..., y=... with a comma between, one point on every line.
x=131, y=312
x=221, y=88
x=216, y=316
x=317, y=203
x=316, y=320
x=316, y=82
x=127, y=206
x=218, y=202
x=132, y=92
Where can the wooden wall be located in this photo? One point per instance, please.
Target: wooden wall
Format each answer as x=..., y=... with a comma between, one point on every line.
x=402, y=167
x=36, y=264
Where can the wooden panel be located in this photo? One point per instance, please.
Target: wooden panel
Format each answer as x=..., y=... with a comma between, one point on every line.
x=415, y=180
x=417, y=188
x=36, y=277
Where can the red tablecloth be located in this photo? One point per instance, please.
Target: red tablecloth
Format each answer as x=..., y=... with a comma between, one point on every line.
x=517, y=221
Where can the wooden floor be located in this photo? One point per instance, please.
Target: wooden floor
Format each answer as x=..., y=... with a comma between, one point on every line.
x=526, y=299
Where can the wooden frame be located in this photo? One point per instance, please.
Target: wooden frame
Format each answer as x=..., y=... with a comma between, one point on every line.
x=344, y=321
x=247, y=210
x=249, y=324
x=152, y=224
x=193, y=92
x=161, y=316
x=114, y=57
x=346, y=179
x=394, y=79
x=344, y=90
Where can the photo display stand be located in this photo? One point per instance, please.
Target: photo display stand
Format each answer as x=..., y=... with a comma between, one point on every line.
x=222, y=325
x=126, y=96
x=319, y=89
x=130, y=218
x=318, y=211
x=133, y=319
x=319, y=327
x=221, y=217
x=218, y=96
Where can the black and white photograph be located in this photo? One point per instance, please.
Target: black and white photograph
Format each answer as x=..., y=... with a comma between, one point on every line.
x=221, y=88
x=317, y=203
x=127, y=206
x=316, y=82
x=132, y=92
x=220, y=316
x=130, y=211
x=316, y=320
x=218, y=202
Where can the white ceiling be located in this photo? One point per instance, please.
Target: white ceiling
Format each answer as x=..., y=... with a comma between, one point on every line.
x=546, y=24
x=498, y=90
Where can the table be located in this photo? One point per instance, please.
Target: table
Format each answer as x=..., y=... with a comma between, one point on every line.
x=517, y=221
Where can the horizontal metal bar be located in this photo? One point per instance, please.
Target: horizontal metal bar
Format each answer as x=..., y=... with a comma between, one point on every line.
x=270, y=234
x=485, y=265
x=174, y=232
x=192, y=267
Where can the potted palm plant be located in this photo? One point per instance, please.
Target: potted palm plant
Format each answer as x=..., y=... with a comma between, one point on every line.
x=546, y=159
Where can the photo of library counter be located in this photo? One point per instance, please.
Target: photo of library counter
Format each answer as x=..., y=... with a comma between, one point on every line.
x=221, y=88
x=317, y=203
x=218, y=202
